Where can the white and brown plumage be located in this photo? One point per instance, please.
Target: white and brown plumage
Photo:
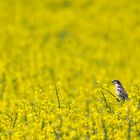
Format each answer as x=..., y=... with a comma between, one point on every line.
x=120, y=90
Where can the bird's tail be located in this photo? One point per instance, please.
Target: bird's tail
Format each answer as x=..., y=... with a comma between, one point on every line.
x=126, y=98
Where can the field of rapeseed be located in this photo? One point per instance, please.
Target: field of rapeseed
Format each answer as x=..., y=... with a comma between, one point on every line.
x=57, y=61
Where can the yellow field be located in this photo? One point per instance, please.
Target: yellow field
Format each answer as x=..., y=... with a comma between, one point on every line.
x=57, y=61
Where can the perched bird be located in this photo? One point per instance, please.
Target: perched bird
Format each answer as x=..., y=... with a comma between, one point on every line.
x=120, y=90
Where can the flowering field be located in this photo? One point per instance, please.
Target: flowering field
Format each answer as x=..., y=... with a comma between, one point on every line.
x=58, y=59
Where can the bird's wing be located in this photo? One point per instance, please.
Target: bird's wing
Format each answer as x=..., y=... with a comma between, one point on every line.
x=124, y=92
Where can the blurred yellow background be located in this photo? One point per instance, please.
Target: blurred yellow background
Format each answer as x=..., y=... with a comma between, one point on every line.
x=72, y=44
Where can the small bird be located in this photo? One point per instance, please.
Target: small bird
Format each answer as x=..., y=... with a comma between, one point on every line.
x=120, y=90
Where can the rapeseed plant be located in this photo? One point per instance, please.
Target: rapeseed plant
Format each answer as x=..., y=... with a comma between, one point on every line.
x=57, y=62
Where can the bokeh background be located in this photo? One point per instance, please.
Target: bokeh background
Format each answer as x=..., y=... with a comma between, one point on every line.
x=74, y=43
x=90, y=40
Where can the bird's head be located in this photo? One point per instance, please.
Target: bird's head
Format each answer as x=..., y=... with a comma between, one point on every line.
x=116, y=82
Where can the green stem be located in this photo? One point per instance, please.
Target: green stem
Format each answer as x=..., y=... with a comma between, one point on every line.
x=111, y=94
x=107, y=105
x=57, y=95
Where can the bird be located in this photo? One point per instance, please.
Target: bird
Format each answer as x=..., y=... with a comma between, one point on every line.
x=120, y=90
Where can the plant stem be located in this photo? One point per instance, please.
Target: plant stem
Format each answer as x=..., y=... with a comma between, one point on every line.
x=57, y=95
x=107, y=105
x=110, y=93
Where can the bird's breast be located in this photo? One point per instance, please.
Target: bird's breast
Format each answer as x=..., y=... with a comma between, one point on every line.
x=118, y=91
